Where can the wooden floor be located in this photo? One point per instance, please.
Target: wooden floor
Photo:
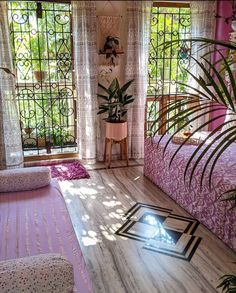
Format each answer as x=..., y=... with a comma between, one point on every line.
x=117, y=264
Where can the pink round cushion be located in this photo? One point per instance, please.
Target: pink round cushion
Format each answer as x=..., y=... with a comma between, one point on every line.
x=22, y=179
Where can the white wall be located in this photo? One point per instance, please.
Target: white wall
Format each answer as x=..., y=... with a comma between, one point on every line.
x=112, y=8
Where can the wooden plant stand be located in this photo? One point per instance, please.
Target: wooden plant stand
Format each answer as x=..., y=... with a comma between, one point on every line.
x=123, y=149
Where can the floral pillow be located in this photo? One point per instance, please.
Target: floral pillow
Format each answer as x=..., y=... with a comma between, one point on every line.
x=22, y=179
x=42, y=273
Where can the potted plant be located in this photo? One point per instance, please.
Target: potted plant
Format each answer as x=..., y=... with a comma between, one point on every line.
x=44, y=135
x=115, y=103
x=111, y=49
x=38, y=56
x=28, y=130
x=41, y=137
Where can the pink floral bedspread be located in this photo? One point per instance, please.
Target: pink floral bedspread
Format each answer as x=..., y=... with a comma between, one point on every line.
x=37, y=222
x=203, y=204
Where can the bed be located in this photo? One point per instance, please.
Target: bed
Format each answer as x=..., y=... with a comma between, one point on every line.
x=37, y=222
x=203, y=204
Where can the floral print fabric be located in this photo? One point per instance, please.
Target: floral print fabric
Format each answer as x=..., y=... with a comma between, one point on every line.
x=203, y=204
x=22, y=179
x=39, y=274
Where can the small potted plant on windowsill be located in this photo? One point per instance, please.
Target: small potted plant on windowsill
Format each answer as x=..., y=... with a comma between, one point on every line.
x=115, y=103
x=38, y=52
x=40, y=75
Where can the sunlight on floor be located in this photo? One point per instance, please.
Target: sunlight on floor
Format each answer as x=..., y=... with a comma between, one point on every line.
x=88, y=241
x=113, y=209
x=114, y=215
x=112, y=203
x=90, y=238
x=85, y=218
x=87, y=191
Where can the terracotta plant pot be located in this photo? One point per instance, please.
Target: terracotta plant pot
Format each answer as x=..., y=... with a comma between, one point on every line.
x=28, y=130
x=41, y=142
x=116, y=131
x=40, y=75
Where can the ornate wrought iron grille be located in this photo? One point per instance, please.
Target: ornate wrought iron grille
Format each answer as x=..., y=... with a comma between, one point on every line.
x=41, y=40
x=165, y=68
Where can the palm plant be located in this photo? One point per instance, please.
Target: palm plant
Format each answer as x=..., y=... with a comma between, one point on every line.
x=7, y=70
x=228, y=284
x=222, y=96
x=220, y=75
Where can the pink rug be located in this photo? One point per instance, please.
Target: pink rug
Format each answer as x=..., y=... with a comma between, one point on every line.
x=68, y=171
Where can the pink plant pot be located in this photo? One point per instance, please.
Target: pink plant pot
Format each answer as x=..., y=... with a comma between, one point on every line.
x=116, y=131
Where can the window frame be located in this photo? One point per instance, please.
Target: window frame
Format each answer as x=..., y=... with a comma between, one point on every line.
x=163, y=99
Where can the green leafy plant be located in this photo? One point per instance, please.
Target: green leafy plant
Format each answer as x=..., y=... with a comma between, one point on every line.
x=228, y=284
x=116, y=100
x=110, y=48
x=222, y=96
x=220, y=75
x=58, y=136
x=38, y=51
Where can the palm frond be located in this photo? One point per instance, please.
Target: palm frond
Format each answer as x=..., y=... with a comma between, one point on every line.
x=212, y=82
x=7, y=70
x=200, y=145
x=204, y=152
x=198, y=40
x=230, y=195
x=220, y=74
x=224, y=88
x=185, y=124
x=228, y=284
x=229, y=140
x=222, y=96
x=197, y=150
x=174, y=106
x=175, y=117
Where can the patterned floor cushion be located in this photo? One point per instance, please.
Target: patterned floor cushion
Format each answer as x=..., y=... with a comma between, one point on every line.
x=41, y=273
x=22, y=179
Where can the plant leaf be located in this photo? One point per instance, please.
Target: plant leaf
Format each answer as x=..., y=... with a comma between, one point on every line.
x=7, y=70
x=104, y=88
x=126, y=86
x=103, y=97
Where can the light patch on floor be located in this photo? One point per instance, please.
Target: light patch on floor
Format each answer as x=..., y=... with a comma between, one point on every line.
x=161, y=231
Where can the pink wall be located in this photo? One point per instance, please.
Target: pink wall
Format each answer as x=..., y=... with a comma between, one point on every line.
x=222, y=33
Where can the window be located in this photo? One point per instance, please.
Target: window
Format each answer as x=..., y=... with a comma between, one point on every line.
x=170, y=21
x=41, y=41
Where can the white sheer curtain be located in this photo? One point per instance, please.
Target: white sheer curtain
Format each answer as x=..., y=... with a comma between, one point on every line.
x=203, y=18
x=85, y=55
x=138, y=19
x=11, y=155
x=203, y=25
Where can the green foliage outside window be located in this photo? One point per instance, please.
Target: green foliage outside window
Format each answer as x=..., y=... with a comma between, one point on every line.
x=168, y=24
x=43, y=44
x=165, y=67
